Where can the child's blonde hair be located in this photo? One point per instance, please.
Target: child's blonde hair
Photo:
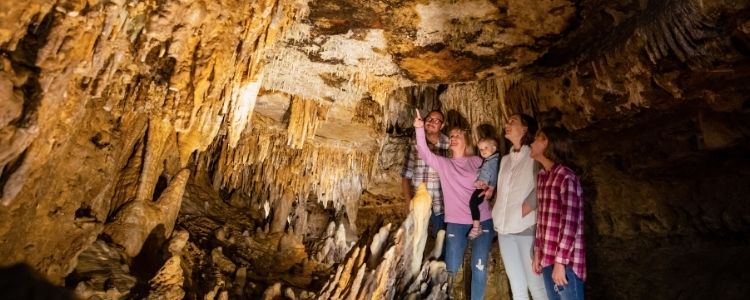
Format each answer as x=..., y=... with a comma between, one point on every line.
x=488, y=140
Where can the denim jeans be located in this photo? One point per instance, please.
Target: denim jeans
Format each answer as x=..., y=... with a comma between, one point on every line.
x=455, y=244
x=437, y=222
x=571, y=291
x=516, y=251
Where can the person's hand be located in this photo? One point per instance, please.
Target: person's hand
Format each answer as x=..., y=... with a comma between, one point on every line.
x=488, y=193
x=480, y=184
x=536, y=264
x=418, y=122
x=525, y=209
x=558, y=274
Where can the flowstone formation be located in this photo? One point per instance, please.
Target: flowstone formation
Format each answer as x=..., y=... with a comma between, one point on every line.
x=253, y=149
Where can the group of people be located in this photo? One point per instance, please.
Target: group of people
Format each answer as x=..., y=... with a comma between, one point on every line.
x=536, y=209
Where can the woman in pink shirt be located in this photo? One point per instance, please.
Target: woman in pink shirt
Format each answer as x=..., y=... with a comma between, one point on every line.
x=457, y=176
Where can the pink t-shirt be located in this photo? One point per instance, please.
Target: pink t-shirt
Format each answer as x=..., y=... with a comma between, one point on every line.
x=457, y=177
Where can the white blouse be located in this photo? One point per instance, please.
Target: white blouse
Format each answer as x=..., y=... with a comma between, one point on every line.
x=515, y=183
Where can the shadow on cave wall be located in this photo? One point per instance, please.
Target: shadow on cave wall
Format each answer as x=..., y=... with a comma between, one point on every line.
x=667, y=211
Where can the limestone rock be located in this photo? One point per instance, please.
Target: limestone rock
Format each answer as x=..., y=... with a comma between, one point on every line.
x=168, y=282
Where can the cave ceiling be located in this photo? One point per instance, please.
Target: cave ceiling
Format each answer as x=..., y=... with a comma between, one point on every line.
x=343, y=51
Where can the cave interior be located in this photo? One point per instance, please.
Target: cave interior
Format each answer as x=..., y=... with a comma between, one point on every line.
x=236, y=149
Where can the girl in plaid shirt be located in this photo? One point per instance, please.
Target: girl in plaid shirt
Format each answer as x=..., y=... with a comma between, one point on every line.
x=558, y=247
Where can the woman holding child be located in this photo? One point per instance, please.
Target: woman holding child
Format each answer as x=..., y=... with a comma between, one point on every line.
x=457, y=176
x=513, y=214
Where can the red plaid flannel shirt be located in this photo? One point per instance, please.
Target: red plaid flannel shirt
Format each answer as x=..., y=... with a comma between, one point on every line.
x=559, y=231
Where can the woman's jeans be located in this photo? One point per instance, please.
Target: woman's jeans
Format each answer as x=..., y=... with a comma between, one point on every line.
x=572, y=290
x=516, y=251
x=455, y=245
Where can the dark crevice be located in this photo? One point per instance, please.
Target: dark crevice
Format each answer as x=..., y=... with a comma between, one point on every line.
x=84, y=212
x=23, y=60
x=161, y=185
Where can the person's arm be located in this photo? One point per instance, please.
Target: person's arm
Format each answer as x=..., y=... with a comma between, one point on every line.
x=493, y=165
x=425, y=154
x=488, y=193
x=529, y=204
x=570, y=212
x=536, y=265
x=406, y=188
x=429, y=158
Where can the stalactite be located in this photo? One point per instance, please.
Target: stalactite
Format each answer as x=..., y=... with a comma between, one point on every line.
x=158, y=135
x=263, y=166
x=241, y=109
x=678, y=27
x=477, y=102
x=304, y=119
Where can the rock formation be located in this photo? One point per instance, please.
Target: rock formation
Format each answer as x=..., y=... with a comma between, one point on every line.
x=162, y=148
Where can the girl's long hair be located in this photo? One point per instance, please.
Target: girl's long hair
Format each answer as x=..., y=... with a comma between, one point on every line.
x=559, y=145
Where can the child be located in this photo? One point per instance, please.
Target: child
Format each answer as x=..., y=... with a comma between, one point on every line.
x=485, y=183
x=558, y=247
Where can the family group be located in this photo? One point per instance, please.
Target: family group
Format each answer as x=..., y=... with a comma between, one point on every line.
x=530, y=198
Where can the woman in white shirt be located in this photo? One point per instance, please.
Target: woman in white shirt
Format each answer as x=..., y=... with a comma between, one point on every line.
x=514, y=212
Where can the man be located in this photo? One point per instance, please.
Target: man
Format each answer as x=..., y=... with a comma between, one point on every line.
x=416, y=171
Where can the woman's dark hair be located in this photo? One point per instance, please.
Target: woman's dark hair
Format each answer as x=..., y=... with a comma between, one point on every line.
x=531, y=127
x=559, y=145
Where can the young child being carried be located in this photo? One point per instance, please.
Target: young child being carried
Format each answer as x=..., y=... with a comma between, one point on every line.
x=485, y=183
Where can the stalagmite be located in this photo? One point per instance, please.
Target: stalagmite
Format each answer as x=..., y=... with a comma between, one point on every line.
x=102, y=271
x=421, y=206
x=377, y=247
x=273, y=292
x=168, y=281
x=437, y=250
x=346, y=274
x=392, y=275
x=281, y=211
x=137, y=219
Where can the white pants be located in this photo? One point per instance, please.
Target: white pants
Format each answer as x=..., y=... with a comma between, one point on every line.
x=516, y=251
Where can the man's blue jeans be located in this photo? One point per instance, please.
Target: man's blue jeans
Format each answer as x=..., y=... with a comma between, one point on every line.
x=455, y=245
x=437, y=223
x=571, y=291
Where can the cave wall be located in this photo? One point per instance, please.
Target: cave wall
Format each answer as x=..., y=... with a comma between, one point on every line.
x=89, y=85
